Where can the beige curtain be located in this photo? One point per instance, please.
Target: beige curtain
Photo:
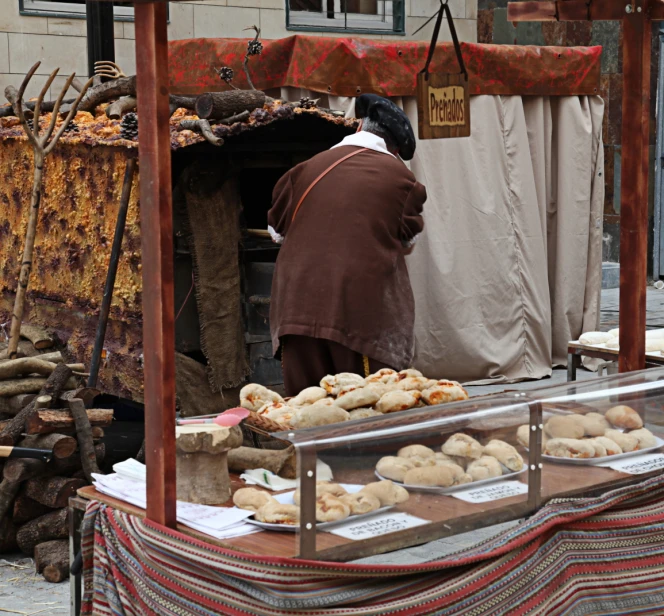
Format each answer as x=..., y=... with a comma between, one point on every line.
x=508, y=269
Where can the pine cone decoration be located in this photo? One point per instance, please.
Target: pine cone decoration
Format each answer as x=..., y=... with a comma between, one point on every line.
x=71, y=128
x=226, y=73
x=254, y=48
x=31, y=123
x=129, y=127
x=307, y=103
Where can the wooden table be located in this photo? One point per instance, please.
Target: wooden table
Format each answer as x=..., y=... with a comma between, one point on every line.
x=449, y=515
x=575, y=350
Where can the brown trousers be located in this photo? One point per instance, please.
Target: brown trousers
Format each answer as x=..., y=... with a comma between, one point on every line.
x=305, y=361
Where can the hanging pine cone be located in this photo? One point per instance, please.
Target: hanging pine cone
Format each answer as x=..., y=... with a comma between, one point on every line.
x=31, y=123
x=254, y=48
x=226, y=73
x=129, y=127
x=307, y=103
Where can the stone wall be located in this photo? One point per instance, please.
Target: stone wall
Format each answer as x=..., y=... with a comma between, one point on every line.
x=493, y=27
x=62, y=42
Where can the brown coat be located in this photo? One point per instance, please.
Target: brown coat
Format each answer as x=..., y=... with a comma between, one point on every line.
x=341, y=273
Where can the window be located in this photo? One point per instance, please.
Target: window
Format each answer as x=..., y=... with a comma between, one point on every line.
x=369, y=16
x=123, y=11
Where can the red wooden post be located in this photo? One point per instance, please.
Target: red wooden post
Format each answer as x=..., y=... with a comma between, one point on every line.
x=634, y=189
x=157, y=259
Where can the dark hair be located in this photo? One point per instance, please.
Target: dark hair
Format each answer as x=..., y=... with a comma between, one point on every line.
x=370, y=126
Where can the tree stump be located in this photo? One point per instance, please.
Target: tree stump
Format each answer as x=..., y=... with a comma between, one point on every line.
x=202, y=466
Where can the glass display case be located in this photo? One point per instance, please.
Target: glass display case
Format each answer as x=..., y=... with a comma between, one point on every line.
x=410, y=477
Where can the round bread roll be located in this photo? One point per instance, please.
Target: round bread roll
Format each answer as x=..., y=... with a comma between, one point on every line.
x=569, y=448
x=564, y=426
x=393, y=467
x=612, y=448
x=443, y=394
x=333, y=384
x=463, y=446
x=394, y=401
x=625, y=440
x=252, y=499
x=614, y=343
x=441, y=458
x=363, y=413
x=456, y=470
x=505, y=454
x=486, y=467
x=254, y=396
x=419, y=461
x=600, y=450
x=308, y=396
x=362, y=396
x=318, y=415
x=465, y=478
x=645, y=437
x=440, y=476
x=386, y=376
x=594, y=424
x=329, y=508
x=624, y=417
x=413, y=383
x=360, y=503
x=276, y=513
x=416, y=450
x=523, y=436
x=380, y=389
x=386, y=492
x=278, y=411
x=410, y=372
x=322, y=487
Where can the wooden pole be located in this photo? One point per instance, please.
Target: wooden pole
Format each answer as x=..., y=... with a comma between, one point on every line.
x=157, y=251
x=634, y=189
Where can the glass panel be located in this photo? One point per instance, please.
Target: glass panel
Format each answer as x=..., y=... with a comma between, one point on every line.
x=346, y=14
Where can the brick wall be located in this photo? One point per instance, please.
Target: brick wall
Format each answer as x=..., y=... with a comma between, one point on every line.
x=493, y=27
x=62, y=42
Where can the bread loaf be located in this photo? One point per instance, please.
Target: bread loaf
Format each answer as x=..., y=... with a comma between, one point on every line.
x=626, y=441
x=393, y=467
x=569, y=448
x=329, y=508
x=356, y=398
x=254, y=396
x=487, y=467
x=645, y=437
x=360, y=503
x=394, y=401
x=624, y=417
x=507, y=455
x=317, y=415
x=308, y=396
x=440, y=476
x=386, y=492
x=565, y=426
x=276, y=513
x=252, y=499
x=594, y=424
x=463, y=446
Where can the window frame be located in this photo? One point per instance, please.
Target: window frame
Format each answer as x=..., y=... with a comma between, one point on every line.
x=68, y=10
x=397, y=18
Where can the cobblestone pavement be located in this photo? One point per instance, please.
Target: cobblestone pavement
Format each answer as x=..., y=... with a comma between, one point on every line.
x=24, y=593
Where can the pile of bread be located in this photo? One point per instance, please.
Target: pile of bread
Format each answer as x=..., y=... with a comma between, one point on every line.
x=461, y=460
x=346, y=396
x=333, y=502
x=654, y=339
x=592, y=435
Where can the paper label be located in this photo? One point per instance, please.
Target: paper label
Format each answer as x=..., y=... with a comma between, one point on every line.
x=492, y=492
x=378, y=525
x=637, y=465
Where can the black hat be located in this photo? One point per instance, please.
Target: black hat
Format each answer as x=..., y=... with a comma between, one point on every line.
x=386, y=114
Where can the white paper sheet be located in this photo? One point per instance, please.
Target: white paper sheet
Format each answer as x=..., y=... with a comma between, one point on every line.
x=637, y=465
x=377, y=525
x=492, y=492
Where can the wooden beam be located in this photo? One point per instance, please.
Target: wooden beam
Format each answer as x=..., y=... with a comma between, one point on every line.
x=157, y=249
x=634, y=190
x=566, y=10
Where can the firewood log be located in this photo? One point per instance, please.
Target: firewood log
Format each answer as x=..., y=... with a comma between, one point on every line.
x=53, y=492
x=98, y=94
x=218, y=105
x=39, y=337
x=97, y=433
x=87, y=394
x=52, y=560
x=25, y=349
x=26, y=509
x=53, y=525
x=46, y=421
x=63, y=446
x=7, y=536
x=53, y=387
x=115, y=110
x=54, y=357
x=31, y=365
x=22, y=469
x=16, y=387
x=84, y=437
x=8, y=492
x=14, y=405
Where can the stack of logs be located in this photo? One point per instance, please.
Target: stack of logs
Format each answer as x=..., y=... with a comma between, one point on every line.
x=41, y=408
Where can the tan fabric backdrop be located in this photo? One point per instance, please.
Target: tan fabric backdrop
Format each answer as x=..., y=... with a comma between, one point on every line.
x=508, y=269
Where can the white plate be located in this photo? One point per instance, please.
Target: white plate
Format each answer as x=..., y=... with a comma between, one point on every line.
x=463, y=486
x=287, y=499
x=602, y=460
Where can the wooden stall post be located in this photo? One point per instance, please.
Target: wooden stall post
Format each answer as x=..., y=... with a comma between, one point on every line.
x=636, y=17
x=157, y=250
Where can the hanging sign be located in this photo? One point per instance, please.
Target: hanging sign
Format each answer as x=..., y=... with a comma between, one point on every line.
x=443, y=101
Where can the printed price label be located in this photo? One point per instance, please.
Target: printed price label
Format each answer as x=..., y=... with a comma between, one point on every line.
x=637, y=465
x=378, y=525
x=495, y=491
